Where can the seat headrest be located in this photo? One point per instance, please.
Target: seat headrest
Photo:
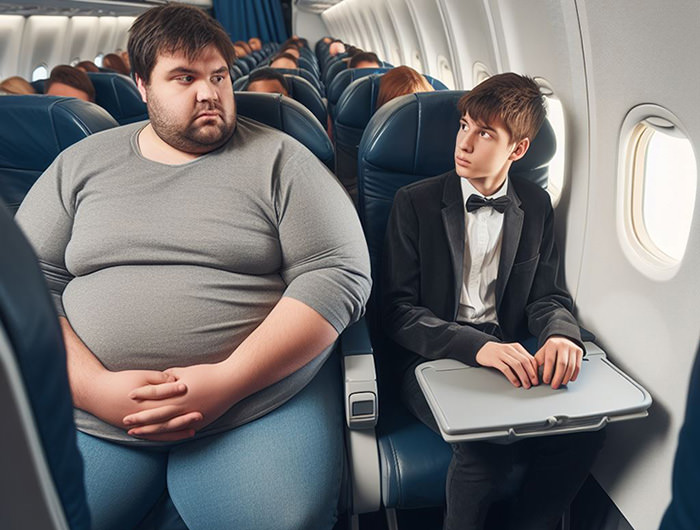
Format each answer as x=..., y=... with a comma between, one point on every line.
x=415, y=134
x=289, y=116
x=118, y=95
x=304, y=92
x=358, y=102
x=35, y=129
x=345, y=78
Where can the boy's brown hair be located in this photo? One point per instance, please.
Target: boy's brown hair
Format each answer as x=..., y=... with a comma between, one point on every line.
x=174, y=28
x=514, y=99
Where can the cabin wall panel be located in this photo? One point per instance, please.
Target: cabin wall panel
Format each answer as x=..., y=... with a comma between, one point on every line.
x=650, y=328
x=554, y=52
x=11, y=27
x=106, y=35
x=122, y=32
x=407, y=34
x=432, y=40
x=387, y=32
x=81, y=39
x=42, y=43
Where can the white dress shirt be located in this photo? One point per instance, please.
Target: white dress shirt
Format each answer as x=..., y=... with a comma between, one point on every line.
x=482, y=253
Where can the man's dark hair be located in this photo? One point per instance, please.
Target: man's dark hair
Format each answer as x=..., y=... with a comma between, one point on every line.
x=514, y=99
x=73, y=77
x=267, y=74
x=285, y=56
x=362, y=57
x=174, y=28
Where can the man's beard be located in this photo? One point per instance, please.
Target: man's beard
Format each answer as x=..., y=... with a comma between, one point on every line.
x=191, y=138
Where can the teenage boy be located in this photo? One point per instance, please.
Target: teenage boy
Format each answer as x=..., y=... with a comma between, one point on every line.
x=470, y=270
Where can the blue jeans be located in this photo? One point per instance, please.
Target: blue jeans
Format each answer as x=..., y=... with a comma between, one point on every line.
x=281, y=471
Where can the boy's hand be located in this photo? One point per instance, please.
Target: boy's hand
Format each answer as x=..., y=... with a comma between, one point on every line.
x=562, y=357
x=512, y=360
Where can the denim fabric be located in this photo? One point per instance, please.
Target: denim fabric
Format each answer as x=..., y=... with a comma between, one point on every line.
x=282, y=471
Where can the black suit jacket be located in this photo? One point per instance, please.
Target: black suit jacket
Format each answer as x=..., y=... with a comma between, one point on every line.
x=423, y=269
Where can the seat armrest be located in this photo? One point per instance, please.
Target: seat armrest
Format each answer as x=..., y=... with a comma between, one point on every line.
x=361, y=413
x=361, y=401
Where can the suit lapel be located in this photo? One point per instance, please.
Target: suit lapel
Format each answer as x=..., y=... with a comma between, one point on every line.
x=453, y=222
x=512, y=226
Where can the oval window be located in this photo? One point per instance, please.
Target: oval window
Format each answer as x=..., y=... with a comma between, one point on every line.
x=657, y=190
x=665, y=180
x=40, y=72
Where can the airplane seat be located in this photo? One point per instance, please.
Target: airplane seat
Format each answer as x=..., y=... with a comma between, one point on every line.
x=242, y=66
x=42, y=471
x=250, y=61
x=342, y=81
x=299, y=90
x=118, y=95
x=289, y=116
x=309, y=76
x=35, y=130
x=236, y=72
x=39, y=85
x=306, y=64
x=304, y=92
x=353, y=111
x=409, y=139
x=333, y=70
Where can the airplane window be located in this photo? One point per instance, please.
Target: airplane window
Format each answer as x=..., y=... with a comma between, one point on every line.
x=40, y=72
x=417, y=63
x=445, y=72
x=98, y=59
x=664, y=186
x=555, y=115
x=480, y=73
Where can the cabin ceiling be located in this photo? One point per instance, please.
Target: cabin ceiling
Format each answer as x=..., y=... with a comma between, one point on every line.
x=315, y=6
x=85, y=7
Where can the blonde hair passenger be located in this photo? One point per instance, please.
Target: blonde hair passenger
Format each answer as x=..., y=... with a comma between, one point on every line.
x=16, y=85
x=400, y=81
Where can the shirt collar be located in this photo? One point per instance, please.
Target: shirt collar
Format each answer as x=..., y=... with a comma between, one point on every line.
x=468, y=189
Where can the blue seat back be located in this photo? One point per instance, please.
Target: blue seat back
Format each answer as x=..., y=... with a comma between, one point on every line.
x=33, y=371
x=333, y=67
x=353, y=111
x=309, y=76
x=34, y=130
x=288, y=116
x=306, y=64
x=343, y=80
x=409, y=139
x=299, y=90
x=242, y=66
x=118, y=95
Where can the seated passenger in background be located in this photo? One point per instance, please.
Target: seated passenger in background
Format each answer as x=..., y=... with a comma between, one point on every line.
x=199, y=304
x=16, y=85
x=335, y=47
x=284, y=60
x=244, y=46
x=400, y=81
x=365, y=60
x=267, y=80
x=255, y=44
x=125, y=57
x=87, y=66
x=114, y=62
x=71, y=82
x=290, y=49
x=509, y=288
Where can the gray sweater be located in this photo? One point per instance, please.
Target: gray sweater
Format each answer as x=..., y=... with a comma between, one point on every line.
x=158, y=266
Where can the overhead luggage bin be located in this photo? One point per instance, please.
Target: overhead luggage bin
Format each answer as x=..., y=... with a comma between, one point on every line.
x=471, y=403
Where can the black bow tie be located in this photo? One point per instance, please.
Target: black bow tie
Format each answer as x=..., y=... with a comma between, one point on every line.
x=474, y=202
